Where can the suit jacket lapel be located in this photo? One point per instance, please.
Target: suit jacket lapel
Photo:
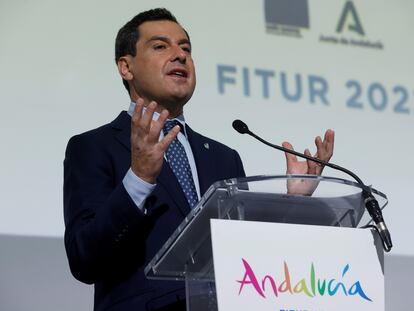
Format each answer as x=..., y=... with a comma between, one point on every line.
x=122, y=124
x=122, y=127
x=170, y=183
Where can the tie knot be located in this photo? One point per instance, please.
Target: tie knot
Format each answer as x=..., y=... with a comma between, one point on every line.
x=168, y=125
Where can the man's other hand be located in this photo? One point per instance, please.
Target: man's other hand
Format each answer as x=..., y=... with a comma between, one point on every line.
x=324, y=152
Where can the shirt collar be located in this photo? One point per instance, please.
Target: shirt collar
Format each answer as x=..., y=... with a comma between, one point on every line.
x=156, y=115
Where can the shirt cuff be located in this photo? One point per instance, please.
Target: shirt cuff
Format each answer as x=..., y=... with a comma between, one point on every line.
x=137, y=189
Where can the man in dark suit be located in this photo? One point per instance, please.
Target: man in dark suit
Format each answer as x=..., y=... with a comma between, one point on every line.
x=130, y=183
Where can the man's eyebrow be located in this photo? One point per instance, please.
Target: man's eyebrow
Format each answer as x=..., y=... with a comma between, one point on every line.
x=184, y=41
x=168, y=40
x=158, y=38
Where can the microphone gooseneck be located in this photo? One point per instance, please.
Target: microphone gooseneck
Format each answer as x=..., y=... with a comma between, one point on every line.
x=371, y=204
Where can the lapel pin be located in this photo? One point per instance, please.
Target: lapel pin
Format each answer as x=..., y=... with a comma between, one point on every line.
x=206, y=145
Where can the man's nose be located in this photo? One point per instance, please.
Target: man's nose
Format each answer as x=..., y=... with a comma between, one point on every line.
x=178, y=54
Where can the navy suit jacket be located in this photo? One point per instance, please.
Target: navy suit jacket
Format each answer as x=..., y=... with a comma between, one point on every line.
x=108, y=239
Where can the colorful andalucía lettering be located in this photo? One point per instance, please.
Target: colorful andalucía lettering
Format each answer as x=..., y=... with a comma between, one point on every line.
x=310, y=287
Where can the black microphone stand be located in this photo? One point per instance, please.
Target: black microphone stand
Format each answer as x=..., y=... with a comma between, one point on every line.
x=371, y=204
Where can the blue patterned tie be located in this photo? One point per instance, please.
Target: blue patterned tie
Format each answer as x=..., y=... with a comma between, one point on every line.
x=177, y=158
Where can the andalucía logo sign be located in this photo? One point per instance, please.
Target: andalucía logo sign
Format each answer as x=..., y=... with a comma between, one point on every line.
x=313, y=286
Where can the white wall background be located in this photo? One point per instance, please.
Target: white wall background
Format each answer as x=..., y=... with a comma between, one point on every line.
x=58, y=78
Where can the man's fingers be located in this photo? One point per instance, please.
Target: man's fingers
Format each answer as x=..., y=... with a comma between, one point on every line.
x=287, y=145
x=318, y=142
x=290, y=158
x=329, y=141
x=136, y=116
x=166, y=141
x=307, y=152
x=311, y=164
x=146, y=118
x=325, y=147
x=321, y=151
x=329, y=135
x=157, y=126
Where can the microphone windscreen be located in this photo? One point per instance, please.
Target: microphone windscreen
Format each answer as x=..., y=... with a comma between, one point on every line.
x=240, y=127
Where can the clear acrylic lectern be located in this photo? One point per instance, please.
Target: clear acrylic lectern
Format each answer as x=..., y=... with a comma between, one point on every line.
x=187, y=254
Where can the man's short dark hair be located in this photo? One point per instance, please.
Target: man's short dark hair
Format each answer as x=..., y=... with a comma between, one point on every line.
x=128, y=35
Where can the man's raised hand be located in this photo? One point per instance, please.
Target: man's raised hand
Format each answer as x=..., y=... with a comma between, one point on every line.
x=147, y=151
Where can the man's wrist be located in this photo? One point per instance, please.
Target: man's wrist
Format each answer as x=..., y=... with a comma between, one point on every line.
x=151, y=180
x=137, y=188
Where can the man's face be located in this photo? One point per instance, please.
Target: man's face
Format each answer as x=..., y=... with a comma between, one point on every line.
x=163, y=69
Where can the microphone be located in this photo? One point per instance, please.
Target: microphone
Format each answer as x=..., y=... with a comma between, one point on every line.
x=371, y=204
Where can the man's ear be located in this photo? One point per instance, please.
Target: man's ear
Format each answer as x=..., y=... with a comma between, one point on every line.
x=124, y=68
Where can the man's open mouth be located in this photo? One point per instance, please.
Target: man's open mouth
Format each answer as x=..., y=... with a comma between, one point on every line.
x=178, y=73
